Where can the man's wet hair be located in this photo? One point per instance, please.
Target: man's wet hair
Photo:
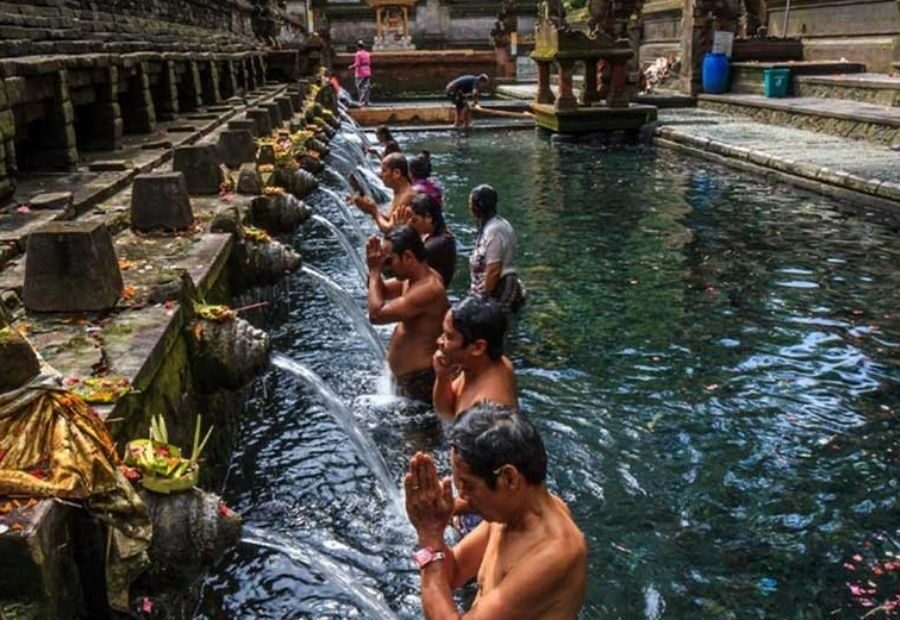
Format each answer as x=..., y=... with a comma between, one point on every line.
x=484, y=78
x=487, y=436
x=420, y=166
x=383, y=133
x=405, y=238
x=479, y=318
x=484, y=202
x=423, y=204
x=395, y=160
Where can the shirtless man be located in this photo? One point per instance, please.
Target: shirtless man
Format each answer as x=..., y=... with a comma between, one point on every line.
x=528, y=554
x=395, y=174
x=469, y=361
x=415, y=298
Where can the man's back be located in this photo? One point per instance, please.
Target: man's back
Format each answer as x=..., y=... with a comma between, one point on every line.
x=497, y=385
x=464, y=83
x=415, y=339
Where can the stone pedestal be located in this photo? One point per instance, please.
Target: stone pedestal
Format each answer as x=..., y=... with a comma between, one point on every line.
x=244, y=125
x=160, y=201
x=274, y=114
x=167, y=106
x=262, y=119
x=236, y=147
x=71, y=267
x=200, y=166
x=286, y=107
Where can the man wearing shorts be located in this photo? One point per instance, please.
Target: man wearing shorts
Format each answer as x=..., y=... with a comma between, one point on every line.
x=458, y=90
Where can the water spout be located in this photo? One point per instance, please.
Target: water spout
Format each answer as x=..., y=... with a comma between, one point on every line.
x=344, y=208
x=382, y=192
x=361, y=440
x=326, y=567
x=342, y=299
x=346, y=244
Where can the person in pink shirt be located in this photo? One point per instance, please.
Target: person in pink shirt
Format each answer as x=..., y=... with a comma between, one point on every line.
x=362, y=66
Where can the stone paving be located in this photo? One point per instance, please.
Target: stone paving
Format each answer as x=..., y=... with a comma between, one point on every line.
x=854, y=165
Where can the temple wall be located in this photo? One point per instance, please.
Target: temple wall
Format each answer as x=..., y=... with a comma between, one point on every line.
x=397, y=73
x=866, y=31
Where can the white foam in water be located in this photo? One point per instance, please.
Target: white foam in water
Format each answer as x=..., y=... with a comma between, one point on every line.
x=326, y=567
x=365, y=447
x=347, y=245
x=342, y=299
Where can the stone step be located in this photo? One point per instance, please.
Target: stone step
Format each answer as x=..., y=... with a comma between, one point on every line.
x=747, y=77
x=875, y=88
x=845, y=118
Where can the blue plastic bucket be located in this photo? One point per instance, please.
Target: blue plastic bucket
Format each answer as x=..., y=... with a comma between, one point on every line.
x=716, y=72
x=776, y=82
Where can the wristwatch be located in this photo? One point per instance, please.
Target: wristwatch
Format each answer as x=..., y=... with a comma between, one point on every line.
x=426, y=555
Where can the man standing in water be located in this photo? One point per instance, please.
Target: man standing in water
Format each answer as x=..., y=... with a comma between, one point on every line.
x=395, y=174
x=415, y=298
x=529, y=556
x=469, y=361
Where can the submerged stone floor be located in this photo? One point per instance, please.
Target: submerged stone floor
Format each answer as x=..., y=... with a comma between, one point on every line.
x=837, y=166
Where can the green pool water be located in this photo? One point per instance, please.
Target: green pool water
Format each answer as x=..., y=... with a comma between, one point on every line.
x=713, y=361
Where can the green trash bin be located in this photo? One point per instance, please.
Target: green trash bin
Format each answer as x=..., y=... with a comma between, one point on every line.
x=776, y=82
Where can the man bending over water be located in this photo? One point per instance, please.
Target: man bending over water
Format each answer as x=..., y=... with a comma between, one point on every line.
x=469, y=361
x=415, y=298
x=528, y=554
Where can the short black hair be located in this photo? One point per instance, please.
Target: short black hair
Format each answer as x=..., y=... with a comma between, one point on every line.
x=479, y=318
x=423, y=204
x=360, y=45
x=391, y=147
x=382, y=131
x=484, y=202
x=405, y=238
x=487, y=436
x=396, y=161
x=420, y=166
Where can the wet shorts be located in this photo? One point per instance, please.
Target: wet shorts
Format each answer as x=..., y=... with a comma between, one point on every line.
x=509, y=293
x=458, y=98
x=417, y=385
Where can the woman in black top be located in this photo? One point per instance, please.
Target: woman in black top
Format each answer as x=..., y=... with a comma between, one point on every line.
x=440, y=246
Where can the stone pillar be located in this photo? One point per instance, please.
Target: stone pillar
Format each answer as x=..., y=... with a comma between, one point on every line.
x=190, y=87
x=696, y=40
x=59, y=147
x=7, y=136
x=209, y=82
x=565, y=100
x=589, y=93
x=618, y=92
x=229, y=87
x=378, y=30
x=140, y=115
x=544, y=94
x=249, y=74
x=168, y=104
x=261, y=69
x=108, y=130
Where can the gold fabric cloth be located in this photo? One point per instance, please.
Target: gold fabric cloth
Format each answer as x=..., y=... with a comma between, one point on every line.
x=52, y=444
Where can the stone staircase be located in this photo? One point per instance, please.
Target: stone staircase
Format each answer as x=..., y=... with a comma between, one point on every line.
x=836, y=98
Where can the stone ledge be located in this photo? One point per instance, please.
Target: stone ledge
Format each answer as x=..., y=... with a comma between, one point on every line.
x=837, y=183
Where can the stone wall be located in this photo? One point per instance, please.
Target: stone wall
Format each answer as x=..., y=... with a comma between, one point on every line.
x=434, y=24
x=77, y=75
x=866, y=31
x=399, y=73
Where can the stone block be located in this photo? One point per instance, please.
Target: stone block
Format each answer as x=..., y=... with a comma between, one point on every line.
x=245, y=124
x=160, y=200
x=285, y=106
x=274, y=111
x=109, y=165
x=262, y=119
x=17, y=359
x=236, y=147
x=71, y=267
x=52, y=200
x=266, y=155
x=296, y=100
x=200, y=166
x=249, y=182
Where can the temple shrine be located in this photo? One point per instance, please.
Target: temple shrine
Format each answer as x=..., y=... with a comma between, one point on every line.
x=392, y=24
